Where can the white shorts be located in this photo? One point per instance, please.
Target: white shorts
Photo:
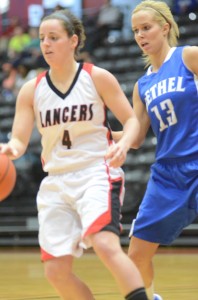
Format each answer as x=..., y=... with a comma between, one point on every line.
x=71, y=206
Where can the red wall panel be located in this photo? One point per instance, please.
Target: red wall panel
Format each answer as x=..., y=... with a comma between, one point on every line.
x=20, y=8
x=92, y=6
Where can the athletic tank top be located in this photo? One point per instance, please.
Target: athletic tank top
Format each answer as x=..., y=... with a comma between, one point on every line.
x=171, y=99
x=73, y=126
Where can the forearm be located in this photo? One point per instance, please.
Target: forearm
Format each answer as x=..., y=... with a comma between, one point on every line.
x=136, y=140
x=130, y=134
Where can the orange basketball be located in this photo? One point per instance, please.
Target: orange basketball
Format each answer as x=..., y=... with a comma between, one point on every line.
x=7, y=176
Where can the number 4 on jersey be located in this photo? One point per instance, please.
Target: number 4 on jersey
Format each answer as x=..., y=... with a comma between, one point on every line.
x=66, y=139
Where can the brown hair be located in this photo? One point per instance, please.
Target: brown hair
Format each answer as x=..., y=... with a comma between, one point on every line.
x=72, y=25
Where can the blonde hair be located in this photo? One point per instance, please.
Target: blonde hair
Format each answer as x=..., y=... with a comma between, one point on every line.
x=71, y=24
x=162, y=15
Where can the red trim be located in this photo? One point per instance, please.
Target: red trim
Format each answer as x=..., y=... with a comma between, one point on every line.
x=40, y=76
x=116, y=180
x=103, y=220
x=88, y=67
x=46, y=256
x=42, y=162
x=110, y=141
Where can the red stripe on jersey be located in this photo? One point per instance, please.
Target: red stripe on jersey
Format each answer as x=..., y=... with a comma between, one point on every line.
x=109, y=137
x=40, y=76
x=88, y=67
x=42, y=162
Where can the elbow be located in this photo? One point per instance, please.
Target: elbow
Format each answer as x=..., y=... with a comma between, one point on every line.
x=137, y=144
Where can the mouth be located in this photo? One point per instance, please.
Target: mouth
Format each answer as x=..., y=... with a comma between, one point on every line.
x=48, y=52
x=143, y=45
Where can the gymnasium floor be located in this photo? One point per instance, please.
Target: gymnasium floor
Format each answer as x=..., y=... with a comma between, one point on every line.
x=21, y=275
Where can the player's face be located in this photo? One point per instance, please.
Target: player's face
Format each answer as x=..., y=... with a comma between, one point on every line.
x=56, y=45
x=148, y=34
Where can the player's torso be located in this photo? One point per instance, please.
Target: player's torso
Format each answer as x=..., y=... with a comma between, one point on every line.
x=170, y=96
x=73, y=125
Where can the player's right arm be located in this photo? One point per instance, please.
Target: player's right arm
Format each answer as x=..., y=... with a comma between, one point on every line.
x=23, y=122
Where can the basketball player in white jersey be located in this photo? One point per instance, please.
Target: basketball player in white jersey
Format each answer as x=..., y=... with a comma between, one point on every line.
x=79, y=201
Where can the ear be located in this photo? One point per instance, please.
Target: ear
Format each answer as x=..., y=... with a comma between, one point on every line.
x=74, y=41
x=166, y=29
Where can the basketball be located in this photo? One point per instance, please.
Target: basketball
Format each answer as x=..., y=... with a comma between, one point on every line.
x=7, y=176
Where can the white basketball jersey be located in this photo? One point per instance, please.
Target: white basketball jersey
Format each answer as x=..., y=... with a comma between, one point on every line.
x=74, y=129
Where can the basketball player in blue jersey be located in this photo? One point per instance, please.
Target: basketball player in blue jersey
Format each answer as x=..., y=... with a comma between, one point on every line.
x=79, y=201
x=166, y=98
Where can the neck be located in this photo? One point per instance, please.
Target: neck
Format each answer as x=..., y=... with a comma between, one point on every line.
x=66, y=71
x=158, y=58
x=63, y=78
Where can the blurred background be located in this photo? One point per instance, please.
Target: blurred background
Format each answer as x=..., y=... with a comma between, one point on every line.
x=110, y=44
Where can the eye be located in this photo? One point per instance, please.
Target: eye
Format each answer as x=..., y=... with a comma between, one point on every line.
x=135, y=31
x=53, y=38
x=146, y=27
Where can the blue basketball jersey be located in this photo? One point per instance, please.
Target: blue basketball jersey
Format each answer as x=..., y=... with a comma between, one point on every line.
x=171, y=99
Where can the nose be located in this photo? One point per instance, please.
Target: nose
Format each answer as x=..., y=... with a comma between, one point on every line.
x=45, y=41
x=140, y=33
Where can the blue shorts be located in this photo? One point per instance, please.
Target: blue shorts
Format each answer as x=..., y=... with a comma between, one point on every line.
x=170, y=202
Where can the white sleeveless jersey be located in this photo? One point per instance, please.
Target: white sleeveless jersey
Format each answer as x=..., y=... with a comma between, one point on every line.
x=73, y=126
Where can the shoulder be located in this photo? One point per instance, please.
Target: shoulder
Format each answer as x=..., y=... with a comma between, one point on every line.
x=103, y=79
x=190, y=56
x=190, y=52
x=27, y=90
x=30, y=84
x=99, y=75
x=102, y=74
x=106, y=84
x=136, y=90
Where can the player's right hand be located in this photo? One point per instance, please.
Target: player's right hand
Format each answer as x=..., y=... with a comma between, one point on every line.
x=5, y=148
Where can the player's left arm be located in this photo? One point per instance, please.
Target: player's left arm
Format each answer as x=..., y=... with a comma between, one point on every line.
x=114, y=98
x=190, y=57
